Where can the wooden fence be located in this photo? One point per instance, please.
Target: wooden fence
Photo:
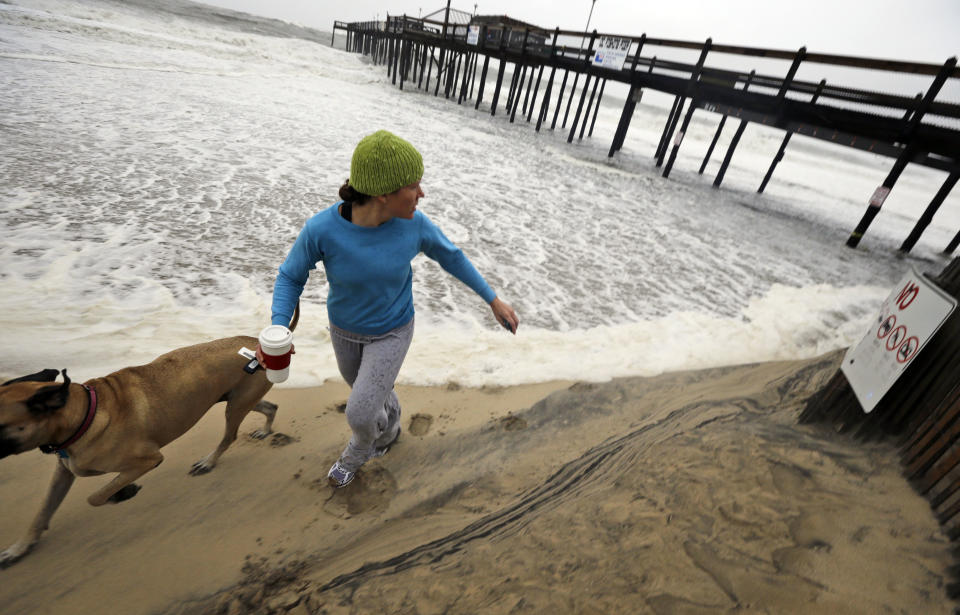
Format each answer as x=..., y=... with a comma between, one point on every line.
x=921, y=412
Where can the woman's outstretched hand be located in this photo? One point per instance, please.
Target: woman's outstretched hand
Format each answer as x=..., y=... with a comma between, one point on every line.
x=505, y=315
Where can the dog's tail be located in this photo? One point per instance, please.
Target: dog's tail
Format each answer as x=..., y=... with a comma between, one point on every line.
x=296, y=317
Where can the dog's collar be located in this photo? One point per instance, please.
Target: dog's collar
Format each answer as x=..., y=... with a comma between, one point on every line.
x=91, y=411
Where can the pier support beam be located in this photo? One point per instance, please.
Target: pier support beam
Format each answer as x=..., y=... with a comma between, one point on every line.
x=563, y=84
x=536, y=90
x=522, y=76
x=473, y=75
x=801, y=54
x=667, y=130
x=596, y=110
x=404, y=49
x=692, y=92
x=441, y=69
x=513, y=87
x=954, y=243
x=526, y=95
x=576, y=116
x=483, y=81
x=573, y=90
x=517, y=91
x=395, y=58
x=733, y=144
x=630, y=104
x=586, y=114
x=545, y=106
x=423, y=66
x=783, y=144
x=880, y=194
x=716, y=137
x=729, y=155
x=453, y=74
x=928, y=214
x=496, y=89
x=430, y=64
x=467, y=63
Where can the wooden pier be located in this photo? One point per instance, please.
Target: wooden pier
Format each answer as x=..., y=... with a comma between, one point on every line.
x=918, y=129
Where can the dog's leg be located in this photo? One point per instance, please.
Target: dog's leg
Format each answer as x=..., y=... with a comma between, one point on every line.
x=121, y=487
x=59, y=486
x=269, y=411
x=237, y=410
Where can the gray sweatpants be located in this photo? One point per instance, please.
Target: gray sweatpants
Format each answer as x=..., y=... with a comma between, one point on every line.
x=370, y=364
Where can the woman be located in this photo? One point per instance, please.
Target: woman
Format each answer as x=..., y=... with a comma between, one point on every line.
x=366, y=243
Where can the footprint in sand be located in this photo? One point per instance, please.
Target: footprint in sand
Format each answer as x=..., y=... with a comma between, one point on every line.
x=420, y=424
x=369, y=493
x=276, y=438
x=280, y=439
x=513, y=423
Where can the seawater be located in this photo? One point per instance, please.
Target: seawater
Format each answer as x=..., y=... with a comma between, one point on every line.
x=155, y=169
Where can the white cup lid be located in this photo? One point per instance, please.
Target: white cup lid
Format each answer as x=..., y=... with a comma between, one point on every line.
x=275, y=336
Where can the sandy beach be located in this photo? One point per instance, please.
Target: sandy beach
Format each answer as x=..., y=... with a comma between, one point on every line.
x=691, y=492
x=157, y=161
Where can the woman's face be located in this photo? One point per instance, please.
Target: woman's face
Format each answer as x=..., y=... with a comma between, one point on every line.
x=403, y=202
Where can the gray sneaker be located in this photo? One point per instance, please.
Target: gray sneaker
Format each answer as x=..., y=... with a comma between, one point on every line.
x=380, y=451
x=339, y=476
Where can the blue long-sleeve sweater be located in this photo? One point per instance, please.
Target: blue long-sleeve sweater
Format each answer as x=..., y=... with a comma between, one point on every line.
x=368, y=269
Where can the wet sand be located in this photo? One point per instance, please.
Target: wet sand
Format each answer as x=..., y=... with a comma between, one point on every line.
x=692, y=492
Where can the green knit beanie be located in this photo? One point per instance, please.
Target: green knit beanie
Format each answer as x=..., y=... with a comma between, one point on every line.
x=382, y=163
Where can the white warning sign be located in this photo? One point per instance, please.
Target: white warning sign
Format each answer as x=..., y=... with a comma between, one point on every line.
x=473, y=35
x=908, y=319
x=611, y=52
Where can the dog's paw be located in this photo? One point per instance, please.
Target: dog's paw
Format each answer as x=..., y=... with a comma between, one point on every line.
x=125, y=493
x=260, y=434
x=11, y=556
x=201, y=467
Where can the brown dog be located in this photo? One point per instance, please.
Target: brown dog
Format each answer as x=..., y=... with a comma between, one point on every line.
x=120, y=422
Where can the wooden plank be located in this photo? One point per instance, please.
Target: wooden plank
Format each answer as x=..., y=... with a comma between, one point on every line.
x=929, y=430
x=924, y=459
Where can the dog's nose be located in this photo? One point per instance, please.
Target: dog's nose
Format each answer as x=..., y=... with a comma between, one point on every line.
x=8, y=447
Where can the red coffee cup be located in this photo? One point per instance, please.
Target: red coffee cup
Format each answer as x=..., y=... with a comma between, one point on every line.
x=276, y=346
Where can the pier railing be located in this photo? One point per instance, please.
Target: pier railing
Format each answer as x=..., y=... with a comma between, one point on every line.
x=921, y=126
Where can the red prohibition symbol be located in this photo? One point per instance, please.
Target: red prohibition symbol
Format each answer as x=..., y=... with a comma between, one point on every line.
x=896, y=337
x=907, y=349
x=907, y=295
x=886, y=327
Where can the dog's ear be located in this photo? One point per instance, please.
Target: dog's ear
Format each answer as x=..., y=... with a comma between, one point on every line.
x=50, y=399
x=47, y=375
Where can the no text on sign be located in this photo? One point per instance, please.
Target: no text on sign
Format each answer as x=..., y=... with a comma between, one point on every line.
x=908, y=319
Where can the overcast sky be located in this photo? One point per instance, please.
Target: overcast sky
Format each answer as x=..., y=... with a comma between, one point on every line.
x=921, y=30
